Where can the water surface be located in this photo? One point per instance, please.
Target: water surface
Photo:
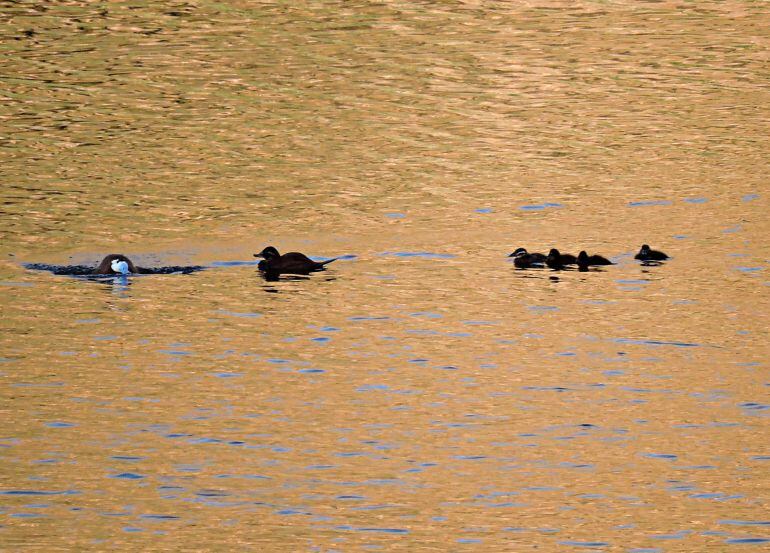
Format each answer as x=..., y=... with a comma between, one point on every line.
x=421, y=394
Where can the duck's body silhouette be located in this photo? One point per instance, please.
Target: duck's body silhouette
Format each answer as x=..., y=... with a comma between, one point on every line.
x=292, y=263
x=524, y=260
x=557, y=260
x=534, y=256
x=117, y=264
x=584, y=260
x=646, y=254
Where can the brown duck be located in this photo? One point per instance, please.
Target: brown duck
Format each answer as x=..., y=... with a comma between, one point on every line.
x=523, y=259
x=557, y=260
x=646, y=254
x=584, y=260
x=117, y=264
x=292, y=263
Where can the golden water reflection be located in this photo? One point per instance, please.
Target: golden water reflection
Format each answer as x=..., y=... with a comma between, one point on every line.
x=422, y=395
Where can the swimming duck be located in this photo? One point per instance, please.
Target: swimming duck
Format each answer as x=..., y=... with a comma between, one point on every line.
x=292, y=263
x=534, y=256
x=522, y=259
x=116, y=264
x=113, y=264
x=584, y=260
x=557, y=260
x=646, y=254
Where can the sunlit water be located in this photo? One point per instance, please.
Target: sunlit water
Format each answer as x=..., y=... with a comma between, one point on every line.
x=421, y=394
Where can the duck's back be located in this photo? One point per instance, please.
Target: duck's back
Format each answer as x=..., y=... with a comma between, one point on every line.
x=294, y=263
x=296, y=257
x=597, y=259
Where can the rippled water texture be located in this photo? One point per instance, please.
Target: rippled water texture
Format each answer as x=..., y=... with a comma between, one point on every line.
x=422, y=394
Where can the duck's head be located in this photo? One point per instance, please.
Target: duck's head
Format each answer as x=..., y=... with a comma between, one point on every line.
x=518, y=251
x=645, y=248
x=268, y=253
x=554, y=253
x=115, y=263
x=119, y=266
x=582, y=257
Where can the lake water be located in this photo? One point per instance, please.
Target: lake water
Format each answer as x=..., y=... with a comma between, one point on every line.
x=421, y=394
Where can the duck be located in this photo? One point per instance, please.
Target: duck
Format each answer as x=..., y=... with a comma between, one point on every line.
x=522, y=259
x=584, y=260
x=557, y=260
x=292, y=263
x=116, y=264
x=534, y=256
x=646, y=254
x=113, y=264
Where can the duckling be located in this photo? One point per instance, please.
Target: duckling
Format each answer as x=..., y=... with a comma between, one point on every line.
x=526, y=261
x=646, y=254
x=116, y=264
x=292, y=263
x=533, y=256
x=557, y=260
x=584, y=260
x=522, y=259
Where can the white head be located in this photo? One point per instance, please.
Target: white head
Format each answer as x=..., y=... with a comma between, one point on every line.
x=119, y=266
